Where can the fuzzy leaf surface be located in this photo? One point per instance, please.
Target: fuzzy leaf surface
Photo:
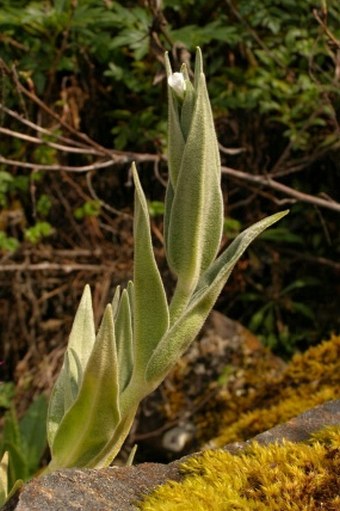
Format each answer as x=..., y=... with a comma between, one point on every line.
x=91, y=421
x=182, y=333
x=81, y=342
x=151, y=315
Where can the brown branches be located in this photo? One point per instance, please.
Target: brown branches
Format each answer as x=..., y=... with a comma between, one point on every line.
x=78, y=142
x=59, y=267
x=101, y=157
x=49, y=138
x=267, y=181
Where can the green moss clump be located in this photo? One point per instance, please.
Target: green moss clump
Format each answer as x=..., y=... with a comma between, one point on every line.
x=287, y=476
x=310, y=379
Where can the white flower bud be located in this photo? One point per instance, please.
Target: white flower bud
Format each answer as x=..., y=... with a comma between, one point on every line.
x=177, y=83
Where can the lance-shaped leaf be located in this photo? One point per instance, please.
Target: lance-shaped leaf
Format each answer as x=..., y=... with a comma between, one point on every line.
x=131, y=293
x=182, y=333
x=115, y=302
x=151, y=316
x=79, y=348
x=3, y=478
x=194, y=205
x=105, y=457
x=188, y=105
x=175, y=135
x=124, y=340
x=92, y=419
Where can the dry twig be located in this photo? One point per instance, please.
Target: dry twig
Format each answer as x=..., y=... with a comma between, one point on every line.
x=267, y=181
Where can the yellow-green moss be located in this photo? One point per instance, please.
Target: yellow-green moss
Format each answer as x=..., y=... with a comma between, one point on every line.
x=310, y=379
x=278, y=477
x=259, y=420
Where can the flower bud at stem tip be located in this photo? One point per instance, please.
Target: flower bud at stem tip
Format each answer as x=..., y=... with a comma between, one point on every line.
x=177, y=83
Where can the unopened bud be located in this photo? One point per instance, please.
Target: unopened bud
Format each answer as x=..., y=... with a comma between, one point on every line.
x=177, y=83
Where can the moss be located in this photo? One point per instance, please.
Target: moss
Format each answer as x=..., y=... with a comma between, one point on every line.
x=287, y=476
x=259, y=420
x=310, y=379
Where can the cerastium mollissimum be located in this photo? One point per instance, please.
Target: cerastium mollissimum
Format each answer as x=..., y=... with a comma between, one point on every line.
x=105, y=375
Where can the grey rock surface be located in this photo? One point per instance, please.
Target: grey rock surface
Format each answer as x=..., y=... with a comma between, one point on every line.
x=91, y=490
x=300, y=428
x=119, y=489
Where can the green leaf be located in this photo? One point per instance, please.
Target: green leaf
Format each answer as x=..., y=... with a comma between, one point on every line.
x=11, y=431
x=33, y=432
x=17, y=466
x=67, y=386
x=3, y=478
x=281, y=234
x=90, y=423
x=124, y=340
x=8, y=243
x=188, y=105
x=156, y=208
x=38, y=231
x=151, y=315
x=115, y=302
x=195, y=219
x=181, y=334
x=7, y=390
x=302, y=309
x=175, y=137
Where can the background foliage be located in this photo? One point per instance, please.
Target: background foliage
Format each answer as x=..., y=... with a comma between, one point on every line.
x=273, y=73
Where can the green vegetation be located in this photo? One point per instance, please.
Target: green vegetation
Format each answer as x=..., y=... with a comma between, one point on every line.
x=82, y=85
x=24, y=440
x=98, y=65
x=143, y=333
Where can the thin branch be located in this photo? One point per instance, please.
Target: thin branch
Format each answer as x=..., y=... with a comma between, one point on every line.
x=118, y=156
x=267, y=181
x=66, y=168
x=34, y=98
x=40, y=129
x=325, y=28
x=35, y=140
x=102, y=203
x=124, y=158
x=231, y=150
x=323, y=261
x=46, y=266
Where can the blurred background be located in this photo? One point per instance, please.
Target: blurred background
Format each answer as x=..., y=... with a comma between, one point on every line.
x=83, y=94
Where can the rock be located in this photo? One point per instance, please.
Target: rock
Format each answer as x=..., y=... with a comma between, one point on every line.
x=91, y=490
x=120, y=488
x=300, y=428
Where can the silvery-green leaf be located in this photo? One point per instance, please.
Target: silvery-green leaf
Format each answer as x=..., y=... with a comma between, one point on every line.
x=3, y=478
x=105, y=457
x=187, y=108
x=182, y=333
x=193, y=217
x=72, y=377
x=82, y=336
x=195, y=222
x=175, y=135
x=131, y=293
x=169, y=197
x=151, y=315
x=198, y=66
x=115, y=301
x=91, y=421
x=124, y=340
x=79, y=348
